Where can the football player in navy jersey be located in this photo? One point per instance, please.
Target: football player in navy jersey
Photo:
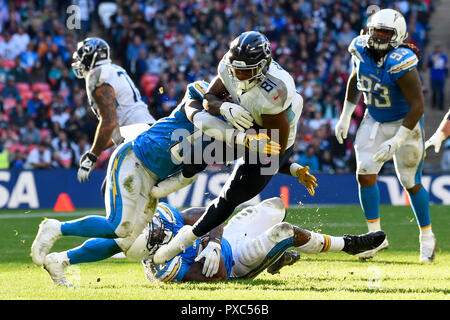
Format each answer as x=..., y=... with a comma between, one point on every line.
x=385, y=72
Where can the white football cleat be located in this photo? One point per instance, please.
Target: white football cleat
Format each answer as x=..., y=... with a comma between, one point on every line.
x=428, y=245
x=55, y=263
x=49, y=231
x=184, y=238
x=369, y=254
x=170, y=185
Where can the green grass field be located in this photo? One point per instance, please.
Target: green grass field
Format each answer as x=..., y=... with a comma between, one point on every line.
x=393, y=274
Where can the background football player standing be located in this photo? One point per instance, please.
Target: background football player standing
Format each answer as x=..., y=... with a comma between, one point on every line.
x=258, y=87
x=112, y=95
x=384, y=70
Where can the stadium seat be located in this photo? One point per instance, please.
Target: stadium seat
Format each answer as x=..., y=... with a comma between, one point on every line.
x=41, y=86
x=47, y=96
x=12, y=148
x=148, y=83
x=8, y=64
x=23, y=86
x=9, y=103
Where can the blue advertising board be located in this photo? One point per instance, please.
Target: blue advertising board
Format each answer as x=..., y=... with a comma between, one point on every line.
x=41, y=189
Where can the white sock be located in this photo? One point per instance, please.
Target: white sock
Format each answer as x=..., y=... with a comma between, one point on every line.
x=374, y=226
x=425, y=231
x=322, y=243
x=333, y=243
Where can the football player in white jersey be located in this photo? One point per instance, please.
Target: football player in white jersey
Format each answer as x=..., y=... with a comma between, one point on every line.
x=255, y=239
x=442, y=132
x=261, y=90
x=113, y=98
x=385, y=71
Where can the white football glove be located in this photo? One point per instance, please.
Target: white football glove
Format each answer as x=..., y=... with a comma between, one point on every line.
x=388, y=148
x=238, y=116
x=435, y=140
x=341, y=129
x=212, y=258
x=87, y=164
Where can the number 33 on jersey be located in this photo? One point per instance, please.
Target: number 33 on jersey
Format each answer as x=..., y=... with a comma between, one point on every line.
x=378, y=82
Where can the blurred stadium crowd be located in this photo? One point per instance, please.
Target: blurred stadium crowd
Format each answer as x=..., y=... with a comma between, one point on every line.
x=45, y=120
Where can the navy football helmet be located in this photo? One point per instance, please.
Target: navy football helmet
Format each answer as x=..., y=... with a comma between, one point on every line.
x=248, y=59
x=90, y=53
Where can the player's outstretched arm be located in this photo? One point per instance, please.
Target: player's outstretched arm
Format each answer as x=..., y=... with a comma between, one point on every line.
x=442, y=132
x=411, y=88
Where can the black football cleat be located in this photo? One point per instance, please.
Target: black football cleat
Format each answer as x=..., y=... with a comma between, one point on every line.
x=357, y=244
x=288, y=258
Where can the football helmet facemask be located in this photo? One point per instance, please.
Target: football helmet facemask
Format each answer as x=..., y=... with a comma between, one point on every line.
x=160, y=233
x=90, y=52
x=248, y=59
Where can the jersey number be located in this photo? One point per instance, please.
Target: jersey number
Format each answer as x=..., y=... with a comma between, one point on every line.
x=367, y=86
x=268, y=85
x=136, y=94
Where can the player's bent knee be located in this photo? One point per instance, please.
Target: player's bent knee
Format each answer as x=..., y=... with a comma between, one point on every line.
x=124, y=229
x=280, y=232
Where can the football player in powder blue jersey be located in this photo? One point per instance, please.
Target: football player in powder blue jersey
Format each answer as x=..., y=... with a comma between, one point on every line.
x=133, y=170
x=385, y=72
x=255, y=239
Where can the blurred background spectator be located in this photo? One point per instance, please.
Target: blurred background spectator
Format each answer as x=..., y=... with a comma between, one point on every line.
x=164, y=45
x=438, y=64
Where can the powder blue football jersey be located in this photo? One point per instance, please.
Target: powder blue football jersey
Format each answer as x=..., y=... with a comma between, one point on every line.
x=152, y=146
x=378, y=83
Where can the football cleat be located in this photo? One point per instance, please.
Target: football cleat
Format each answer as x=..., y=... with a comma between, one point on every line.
x=55, y=263
x=184, y=238
x=428, y=245
x=170, y=185
x=288, y=258
x=362, y=243
x=49, y=231
x=369, y=254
